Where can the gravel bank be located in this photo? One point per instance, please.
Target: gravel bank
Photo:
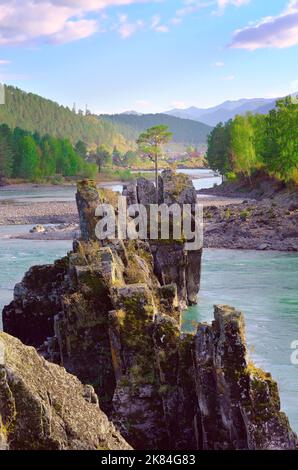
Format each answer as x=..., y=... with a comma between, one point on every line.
x=38, y=213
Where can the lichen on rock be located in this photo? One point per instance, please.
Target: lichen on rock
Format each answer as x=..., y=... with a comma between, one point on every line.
x=42, y=407
x=239, y=406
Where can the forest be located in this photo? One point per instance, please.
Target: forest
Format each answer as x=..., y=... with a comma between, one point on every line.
x=36, y=114
x=256, y=142
x=184, y=131
x=33, y=157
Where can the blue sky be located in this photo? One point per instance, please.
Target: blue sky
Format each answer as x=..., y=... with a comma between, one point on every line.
x=150, y=56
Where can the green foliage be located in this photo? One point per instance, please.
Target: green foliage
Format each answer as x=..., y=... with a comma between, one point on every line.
x=150, y=142
x=103, y=157
x=244, y=215
x=243, y=150
x=191, y=133
x=81, y=148
x=150, y=145
x=6, y=151
x=231, y=176
x=36, y=114
x=280, y=154
x=219, y=148
x=34, y=157
x=30, y=159
x=251, y=142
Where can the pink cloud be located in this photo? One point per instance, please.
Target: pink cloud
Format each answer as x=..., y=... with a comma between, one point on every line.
x=58, y=21
x=276, y=31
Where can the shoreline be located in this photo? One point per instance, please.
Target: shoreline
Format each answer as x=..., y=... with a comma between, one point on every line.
x=229, y=222
x=60, y=212
x=269, y=223
x=38, y=213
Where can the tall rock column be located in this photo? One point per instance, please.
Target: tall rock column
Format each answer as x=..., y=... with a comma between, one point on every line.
x=88, y=198
x=238, y=404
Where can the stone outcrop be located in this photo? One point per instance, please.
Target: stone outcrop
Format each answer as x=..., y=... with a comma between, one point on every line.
x=37, y=299
x=42, y=407
x=172, y=262
x=238, y=404
x=115, y=323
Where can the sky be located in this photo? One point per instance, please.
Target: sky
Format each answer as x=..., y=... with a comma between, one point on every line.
x=149, y=55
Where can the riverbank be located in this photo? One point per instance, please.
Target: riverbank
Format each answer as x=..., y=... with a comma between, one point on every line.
x=38, y=213
x=64, y=215
x=269, y=223
x=268, y=220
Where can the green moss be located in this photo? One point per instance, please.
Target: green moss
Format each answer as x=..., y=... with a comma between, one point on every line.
x=244, y=215
x=94, y=282
x=181, y=183
x=3, y=429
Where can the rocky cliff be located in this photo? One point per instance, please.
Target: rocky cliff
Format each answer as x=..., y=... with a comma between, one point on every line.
x=110, y=313
x=42, y=407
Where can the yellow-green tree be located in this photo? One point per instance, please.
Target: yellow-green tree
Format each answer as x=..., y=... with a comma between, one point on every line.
x=244, y=159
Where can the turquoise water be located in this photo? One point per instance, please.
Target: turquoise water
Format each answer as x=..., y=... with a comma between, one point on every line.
x=264, y=285
x=67, y=193
x=17, y=256
x=38, y=194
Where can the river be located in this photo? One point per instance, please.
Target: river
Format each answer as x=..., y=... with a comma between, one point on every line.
x=262, y=284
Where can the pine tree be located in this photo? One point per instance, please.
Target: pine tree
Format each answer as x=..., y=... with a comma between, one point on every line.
x=6, y=152
x=30, y=159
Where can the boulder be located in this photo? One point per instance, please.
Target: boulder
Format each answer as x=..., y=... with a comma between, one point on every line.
x=146, y=192
x=42, y=407
x=130, y=192
x=177, y=188
x=38, y=229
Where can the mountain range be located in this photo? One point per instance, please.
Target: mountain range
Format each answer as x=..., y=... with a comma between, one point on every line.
x=37, y=114
x=185, y=131
x=224, y=111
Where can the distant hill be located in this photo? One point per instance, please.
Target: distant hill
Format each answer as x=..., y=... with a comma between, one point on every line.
x=225, y=111
x=185, y=131
x=134, y=113
x=36, y=114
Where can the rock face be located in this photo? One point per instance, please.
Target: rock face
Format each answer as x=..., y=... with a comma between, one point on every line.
x=88, y=198
x=238, y=404
x=42, y=407
x=114, y=321
x=172, y=262
x=37, y=299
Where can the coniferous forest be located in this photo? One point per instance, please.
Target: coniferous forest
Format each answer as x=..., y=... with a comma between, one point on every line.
x=36, y=114
x=31, y=156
